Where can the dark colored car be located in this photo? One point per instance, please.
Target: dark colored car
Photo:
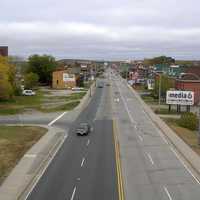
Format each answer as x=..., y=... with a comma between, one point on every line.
x=100, y=85
x=83, y=129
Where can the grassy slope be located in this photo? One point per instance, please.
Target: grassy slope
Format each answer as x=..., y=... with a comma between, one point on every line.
x=189, y=137
x=18, y=104
x=14, y=142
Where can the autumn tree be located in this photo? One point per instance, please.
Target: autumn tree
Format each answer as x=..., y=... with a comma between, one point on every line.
x=7, y=75
x=31, y=80
x=166, y=84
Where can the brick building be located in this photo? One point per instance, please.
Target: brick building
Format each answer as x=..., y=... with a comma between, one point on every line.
x=3, y=51
x=190, y=80
x=190, y=85
x=63, y=80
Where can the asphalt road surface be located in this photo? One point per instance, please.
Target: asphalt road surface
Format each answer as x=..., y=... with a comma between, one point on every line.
x=85, y=166
x=152, y=168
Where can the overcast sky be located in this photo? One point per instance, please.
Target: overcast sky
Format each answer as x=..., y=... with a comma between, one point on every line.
x=101, y=29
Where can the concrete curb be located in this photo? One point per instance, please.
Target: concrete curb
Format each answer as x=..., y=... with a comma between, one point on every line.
x=192, y=157
x=32, y=163
x=86, y=99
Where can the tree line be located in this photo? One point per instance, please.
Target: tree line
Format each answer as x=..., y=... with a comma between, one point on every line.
x=37, y=70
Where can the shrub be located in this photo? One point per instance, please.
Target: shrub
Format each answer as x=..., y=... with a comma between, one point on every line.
x=189, y=120
x=31, y=80
x=17, y=91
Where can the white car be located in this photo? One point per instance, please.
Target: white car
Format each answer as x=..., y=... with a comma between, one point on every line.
x=28, y=93
x=77, y=88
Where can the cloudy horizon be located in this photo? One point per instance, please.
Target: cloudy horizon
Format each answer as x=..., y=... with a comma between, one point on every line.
x=128, y=29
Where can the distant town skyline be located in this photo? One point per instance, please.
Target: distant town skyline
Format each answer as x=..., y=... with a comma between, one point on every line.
x=101, y=29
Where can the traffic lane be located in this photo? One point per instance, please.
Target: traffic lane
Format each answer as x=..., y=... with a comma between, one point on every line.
x=87, y=115
x=165, y=168
x=98, y=179
x=58, y=180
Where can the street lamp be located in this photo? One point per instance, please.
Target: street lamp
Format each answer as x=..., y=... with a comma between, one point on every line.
x=159, y=97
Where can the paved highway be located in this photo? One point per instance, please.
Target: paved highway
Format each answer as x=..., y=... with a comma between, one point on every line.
x=85, y=167
x=152, y=168
x=88, y=168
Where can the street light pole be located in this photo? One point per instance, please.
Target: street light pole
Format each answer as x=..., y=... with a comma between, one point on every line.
x=160, y=77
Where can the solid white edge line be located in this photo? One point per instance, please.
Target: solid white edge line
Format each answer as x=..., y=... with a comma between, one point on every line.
x=57, y=118
x=83, y=160
x=176, y=154
x=43, y=171
x=167, y=192
x=150, y=158
x=73, y=194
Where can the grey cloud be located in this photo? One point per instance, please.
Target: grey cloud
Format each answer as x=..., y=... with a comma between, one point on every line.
x=101, y=29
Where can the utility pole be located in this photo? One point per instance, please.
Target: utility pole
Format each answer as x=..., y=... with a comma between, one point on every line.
x=90, y=85
x=90, y=91
x=198, y=136
x=160, y=77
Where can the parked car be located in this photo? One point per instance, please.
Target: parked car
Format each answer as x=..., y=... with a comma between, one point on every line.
x=83, y=129
x=77, y=89
x=28, y=93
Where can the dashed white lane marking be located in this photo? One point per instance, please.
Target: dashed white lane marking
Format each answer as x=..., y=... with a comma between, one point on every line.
x=56, y=119
x=73, y=194
x=135, y=127
x=167, y=192
x=43, y=171
x=126, y=106
x=88, y=142
x=82, y=163
x=30, y=155
x=141, y=138
x=165, y=140
x=185, y=165
x=150, y=158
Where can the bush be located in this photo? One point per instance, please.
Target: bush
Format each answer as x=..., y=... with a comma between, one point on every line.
x=17, y=91
x=189, y=120
x=31, y=80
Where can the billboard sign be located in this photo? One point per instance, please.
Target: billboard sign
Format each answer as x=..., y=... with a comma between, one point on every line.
x=178, y=97
x=68, y=77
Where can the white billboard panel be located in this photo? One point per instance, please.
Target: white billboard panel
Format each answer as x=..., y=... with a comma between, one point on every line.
x=68, y=77
x=178, y=97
